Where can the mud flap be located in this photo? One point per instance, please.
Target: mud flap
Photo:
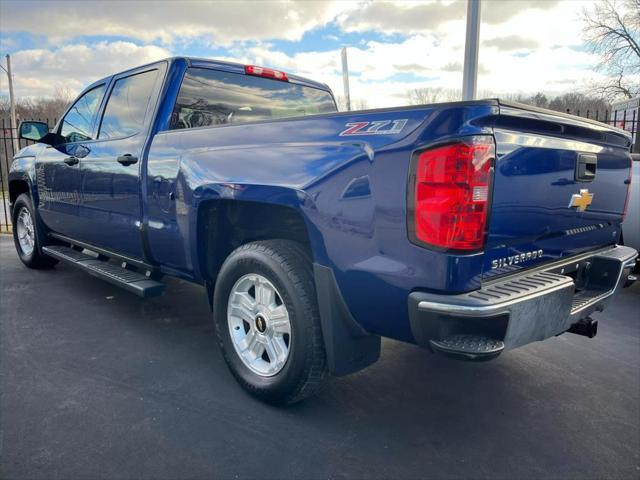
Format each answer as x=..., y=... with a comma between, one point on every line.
x=348, y=346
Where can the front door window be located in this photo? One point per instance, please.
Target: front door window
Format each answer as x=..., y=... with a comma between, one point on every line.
x=78, y=123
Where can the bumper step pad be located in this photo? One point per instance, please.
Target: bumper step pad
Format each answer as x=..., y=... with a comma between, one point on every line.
x=469, y=347
x=130, y=280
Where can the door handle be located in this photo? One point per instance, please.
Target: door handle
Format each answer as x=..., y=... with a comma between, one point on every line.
x=127, y=159
x=71, y=160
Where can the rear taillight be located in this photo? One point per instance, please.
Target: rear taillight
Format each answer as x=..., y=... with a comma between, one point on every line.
x=449, y=200
x=265, y=72
x=629, y=180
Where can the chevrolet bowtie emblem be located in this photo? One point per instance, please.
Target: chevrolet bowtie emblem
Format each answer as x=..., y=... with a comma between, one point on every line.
x=581, y=200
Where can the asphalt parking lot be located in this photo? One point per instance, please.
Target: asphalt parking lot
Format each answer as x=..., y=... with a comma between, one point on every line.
x=97, y=383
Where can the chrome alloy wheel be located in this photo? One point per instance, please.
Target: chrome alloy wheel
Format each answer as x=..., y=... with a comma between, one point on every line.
x=25, y=230
x=259, y=325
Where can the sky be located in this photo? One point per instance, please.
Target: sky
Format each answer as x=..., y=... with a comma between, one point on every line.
x=393, y=47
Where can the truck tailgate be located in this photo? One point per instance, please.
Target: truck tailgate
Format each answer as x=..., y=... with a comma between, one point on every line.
x=559, y=189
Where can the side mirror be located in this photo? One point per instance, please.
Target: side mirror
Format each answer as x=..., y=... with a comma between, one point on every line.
x=33, y=130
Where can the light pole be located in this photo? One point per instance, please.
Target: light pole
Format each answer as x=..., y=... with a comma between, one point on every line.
x=12, y=101
x=470, y=73
x=345, y=78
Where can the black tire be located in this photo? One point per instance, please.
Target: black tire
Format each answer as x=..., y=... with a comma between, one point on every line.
x=288, y=267
x=35, y=258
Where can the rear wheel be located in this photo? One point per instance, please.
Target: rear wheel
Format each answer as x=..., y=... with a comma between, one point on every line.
x=267, y=321
x=259, y=325
x=27, y=235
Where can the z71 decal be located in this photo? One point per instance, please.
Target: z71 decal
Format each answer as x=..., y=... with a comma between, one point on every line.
x=377, y=127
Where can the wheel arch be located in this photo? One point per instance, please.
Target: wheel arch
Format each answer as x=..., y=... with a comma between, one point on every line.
x=225, y=224
x=16, y=188
x=21, y=178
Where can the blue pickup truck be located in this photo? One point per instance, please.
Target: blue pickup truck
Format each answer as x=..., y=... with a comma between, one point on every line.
x=469, y=228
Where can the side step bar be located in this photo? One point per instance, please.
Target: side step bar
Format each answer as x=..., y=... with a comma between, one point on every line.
x=132, y=281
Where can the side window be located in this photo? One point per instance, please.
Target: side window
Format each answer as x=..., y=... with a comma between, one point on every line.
x=127, y=105
x=77, y=124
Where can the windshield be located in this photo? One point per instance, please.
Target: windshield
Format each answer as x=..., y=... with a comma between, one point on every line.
x=212, y=97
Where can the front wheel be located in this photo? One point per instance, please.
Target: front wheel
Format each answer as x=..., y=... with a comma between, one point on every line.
x=267, y=321
x=28, y=236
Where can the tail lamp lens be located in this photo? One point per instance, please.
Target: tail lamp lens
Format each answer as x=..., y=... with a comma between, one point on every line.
x=451, y=196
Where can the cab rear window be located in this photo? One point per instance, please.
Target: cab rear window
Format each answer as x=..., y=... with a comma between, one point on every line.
x=212, y=97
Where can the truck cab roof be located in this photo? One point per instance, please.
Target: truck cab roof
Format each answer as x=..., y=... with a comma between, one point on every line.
x=223, y=65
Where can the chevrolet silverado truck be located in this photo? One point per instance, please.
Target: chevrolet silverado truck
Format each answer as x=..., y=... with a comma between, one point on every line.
x=468, y=228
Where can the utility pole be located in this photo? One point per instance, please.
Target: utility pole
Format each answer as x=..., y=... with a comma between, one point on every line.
x=470, y=73
x=12, y=101
x=345, y=78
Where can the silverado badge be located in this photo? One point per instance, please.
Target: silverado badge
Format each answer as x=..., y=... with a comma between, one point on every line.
x=516, y=259
x=581, y=200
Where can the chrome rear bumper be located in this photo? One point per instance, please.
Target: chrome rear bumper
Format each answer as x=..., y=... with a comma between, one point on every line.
x=526, y=307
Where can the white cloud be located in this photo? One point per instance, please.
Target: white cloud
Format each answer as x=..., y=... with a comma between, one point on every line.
x=526, y=46
x=511, y=42
x=7, y=44
x=436, y=60
x=40, y=72
x=223, y=21
x=427, y=16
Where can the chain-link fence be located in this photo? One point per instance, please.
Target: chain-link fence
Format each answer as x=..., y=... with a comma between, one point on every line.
x=627, y=120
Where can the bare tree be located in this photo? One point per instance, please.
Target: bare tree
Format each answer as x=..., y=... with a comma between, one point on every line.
x=423, y=96
x=572, y=102
x=356, y=103
x=576, y=103
x=360, y=104
x=42, y=108
x=612, y=30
